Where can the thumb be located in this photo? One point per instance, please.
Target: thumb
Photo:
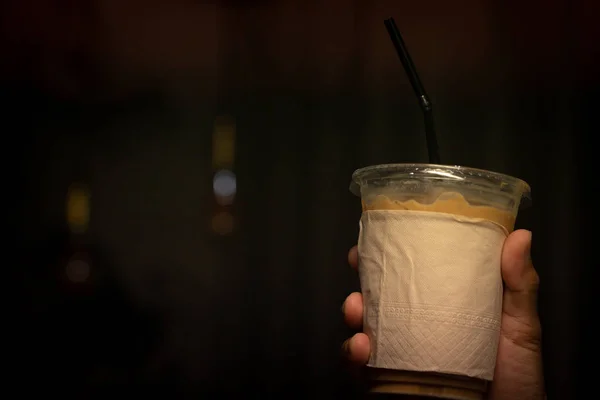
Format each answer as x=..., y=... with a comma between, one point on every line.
x=521, y=283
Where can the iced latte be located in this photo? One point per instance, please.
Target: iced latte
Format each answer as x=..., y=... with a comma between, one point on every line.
x=429, y=249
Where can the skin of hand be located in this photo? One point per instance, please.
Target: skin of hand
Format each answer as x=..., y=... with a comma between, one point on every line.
x=518, y=373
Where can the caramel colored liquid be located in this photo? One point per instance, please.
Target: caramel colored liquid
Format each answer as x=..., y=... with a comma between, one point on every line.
x=451, y=203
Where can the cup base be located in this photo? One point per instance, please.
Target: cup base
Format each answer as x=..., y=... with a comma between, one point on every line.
x=412, y=384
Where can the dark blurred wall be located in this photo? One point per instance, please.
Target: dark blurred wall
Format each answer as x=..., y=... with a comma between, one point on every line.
x=124, y=96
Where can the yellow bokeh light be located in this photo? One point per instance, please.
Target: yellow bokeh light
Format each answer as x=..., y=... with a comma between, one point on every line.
x=78, y=208
x=224, y=143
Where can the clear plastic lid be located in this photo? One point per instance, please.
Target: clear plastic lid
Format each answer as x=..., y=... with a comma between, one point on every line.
x=416, y=177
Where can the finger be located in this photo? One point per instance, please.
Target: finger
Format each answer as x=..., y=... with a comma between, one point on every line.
x=520, y=321
x=357, y=349
x=353, y=310
x=520, y=278
x=353, y=257
x=517, y=268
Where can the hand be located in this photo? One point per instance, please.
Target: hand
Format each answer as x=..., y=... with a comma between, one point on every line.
x=518, y=373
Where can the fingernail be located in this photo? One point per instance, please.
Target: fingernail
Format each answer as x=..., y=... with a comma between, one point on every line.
x=346, y=347
x=527, y=250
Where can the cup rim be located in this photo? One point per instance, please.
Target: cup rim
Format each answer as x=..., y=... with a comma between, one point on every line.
x=450, y=172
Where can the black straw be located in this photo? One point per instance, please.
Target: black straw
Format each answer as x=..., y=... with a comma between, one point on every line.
x=413, y=77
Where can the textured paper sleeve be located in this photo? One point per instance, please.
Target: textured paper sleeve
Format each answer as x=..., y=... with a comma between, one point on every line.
x=432, y=291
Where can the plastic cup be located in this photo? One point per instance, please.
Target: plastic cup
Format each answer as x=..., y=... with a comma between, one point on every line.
x=467, y=194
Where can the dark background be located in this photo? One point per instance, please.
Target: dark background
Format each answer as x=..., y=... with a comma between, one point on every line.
x=188, y=298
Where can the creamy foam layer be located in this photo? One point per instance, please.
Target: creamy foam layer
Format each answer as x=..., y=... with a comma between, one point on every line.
x=450, y=203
